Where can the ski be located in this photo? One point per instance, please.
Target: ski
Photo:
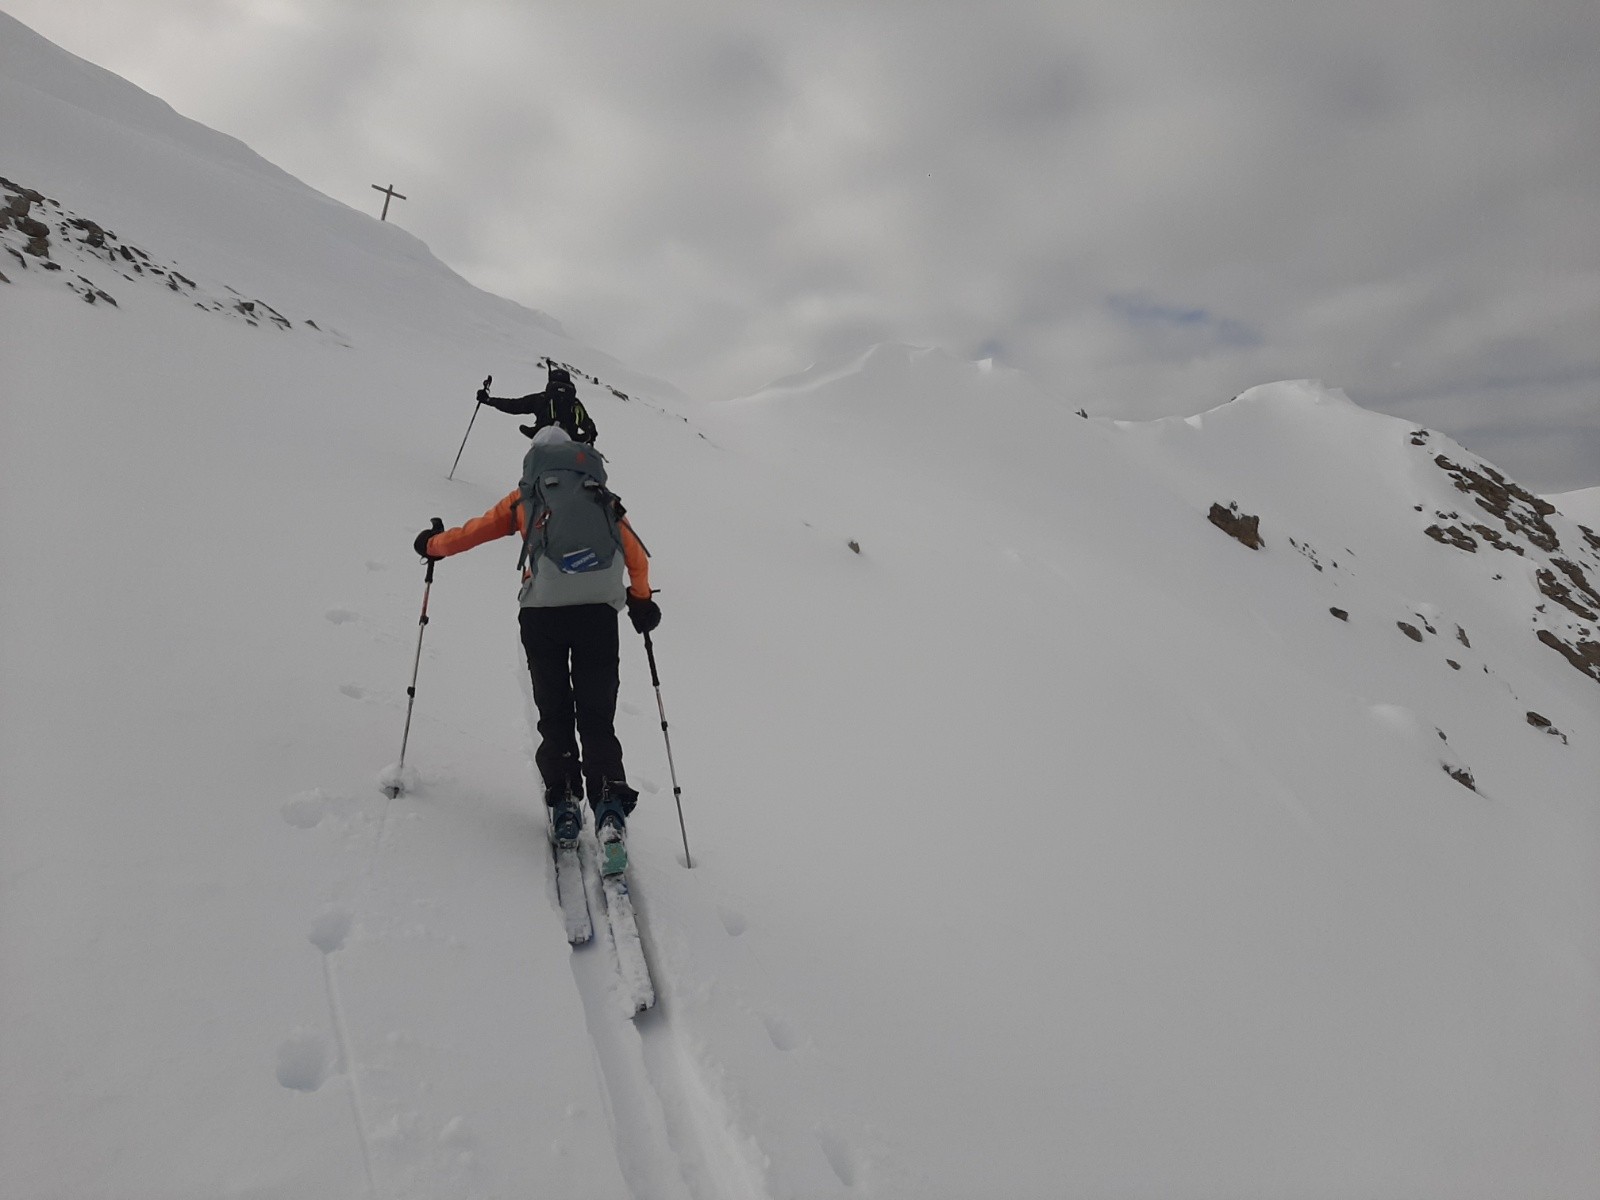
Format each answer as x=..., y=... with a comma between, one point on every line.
x=632, y=969
x=639, y=992
x=573, y=895
x=571, y=891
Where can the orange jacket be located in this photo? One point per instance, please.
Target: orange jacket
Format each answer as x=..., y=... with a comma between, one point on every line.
x=505, y=520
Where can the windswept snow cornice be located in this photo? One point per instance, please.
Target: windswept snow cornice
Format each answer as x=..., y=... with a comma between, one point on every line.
x=883, y=362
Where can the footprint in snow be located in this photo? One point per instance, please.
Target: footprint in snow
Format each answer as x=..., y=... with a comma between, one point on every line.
x=340, y=616
x=781, y=1032
x=331, y=929
x=732, y=921
x=837, y=1152
x=305, y=1060
x=354, y=691
x=633, y=710
x=374, y=565
x=306, y=810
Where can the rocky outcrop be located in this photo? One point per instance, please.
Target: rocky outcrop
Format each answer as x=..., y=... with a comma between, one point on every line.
x=1238, y=525
x=1510, y=519
x=40, y=235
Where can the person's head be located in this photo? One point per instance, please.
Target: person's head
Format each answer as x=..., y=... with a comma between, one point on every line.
x=545, y=434
x=560, y=380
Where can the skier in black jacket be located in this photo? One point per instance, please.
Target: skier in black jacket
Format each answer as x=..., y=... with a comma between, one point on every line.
x=558, y=404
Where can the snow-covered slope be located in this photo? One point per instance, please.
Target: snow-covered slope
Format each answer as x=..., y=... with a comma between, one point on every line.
x=1048, y=840
x=1582, y=505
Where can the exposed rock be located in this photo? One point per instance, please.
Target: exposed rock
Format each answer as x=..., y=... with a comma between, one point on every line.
x=38, y=235
x=1236, y=524
x=1461, y=775
x=1541, y=722
x=1340, y=613
x=1411, y=631
x=38, y=232
x=1310, y=553
x=1519, y=509
x=1588, y=607
x=93, y=235
x=1583, y=654
x=1452, y=537
x=86, y=288
x=1456, y=535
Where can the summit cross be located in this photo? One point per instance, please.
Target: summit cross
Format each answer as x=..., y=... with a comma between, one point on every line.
x=388, y=194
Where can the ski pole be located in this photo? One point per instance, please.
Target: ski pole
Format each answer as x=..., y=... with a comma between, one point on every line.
x=487, y=380
x=394, y=787
x=677, y=792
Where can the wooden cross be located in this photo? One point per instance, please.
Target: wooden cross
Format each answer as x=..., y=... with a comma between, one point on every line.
x=388, y=194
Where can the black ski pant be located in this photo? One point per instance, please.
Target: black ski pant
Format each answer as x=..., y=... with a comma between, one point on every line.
x=572, y=657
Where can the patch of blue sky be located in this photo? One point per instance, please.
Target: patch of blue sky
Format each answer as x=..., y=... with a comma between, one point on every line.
x=1145, y=313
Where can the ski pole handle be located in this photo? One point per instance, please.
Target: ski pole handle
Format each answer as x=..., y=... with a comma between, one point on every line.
x=438, y=527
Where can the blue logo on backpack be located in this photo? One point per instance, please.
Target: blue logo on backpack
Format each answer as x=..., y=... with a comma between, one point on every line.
x=578, y=561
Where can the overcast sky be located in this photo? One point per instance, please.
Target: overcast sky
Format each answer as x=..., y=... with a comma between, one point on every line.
x=1146, y=206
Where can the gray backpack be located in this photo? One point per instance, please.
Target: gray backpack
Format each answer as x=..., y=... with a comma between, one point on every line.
x=571, y=541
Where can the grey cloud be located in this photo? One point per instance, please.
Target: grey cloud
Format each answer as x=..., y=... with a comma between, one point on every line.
x=1399, y=199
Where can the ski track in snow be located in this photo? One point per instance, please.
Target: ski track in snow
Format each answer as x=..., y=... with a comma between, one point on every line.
x=304, y=1061
x=674, y=1136
x=328, y=935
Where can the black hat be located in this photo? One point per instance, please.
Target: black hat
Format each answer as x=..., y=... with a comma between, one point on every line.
x=560, y=375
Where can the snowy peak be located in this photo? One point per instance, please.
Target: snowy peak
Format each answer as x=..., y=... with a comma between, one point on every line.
x=1300, y=465
x=119, y=198
x=105, y=154
x=1291, y=394
x=892, y=367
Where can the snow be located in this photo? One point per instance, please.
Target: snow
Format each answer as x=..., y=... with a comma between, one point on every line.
x=1582, y=506
x=1047, y=841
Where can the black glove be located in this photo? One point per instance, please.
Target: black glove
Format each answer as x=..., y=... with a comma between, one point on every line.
x=483, y=395
x=645, y=614
x=421, y=544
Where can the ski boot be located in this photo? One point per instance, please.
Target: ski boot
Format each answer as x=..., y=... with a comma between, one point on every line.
x=610, y=824
x=566, y=818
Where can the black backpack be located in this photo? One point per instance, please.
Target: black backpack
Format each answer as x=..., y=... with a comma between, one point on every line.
x=562, y=407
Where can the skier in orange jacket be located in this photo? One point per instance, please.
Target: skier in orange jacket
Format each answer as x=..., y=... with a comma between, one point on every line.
x=572, y=646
